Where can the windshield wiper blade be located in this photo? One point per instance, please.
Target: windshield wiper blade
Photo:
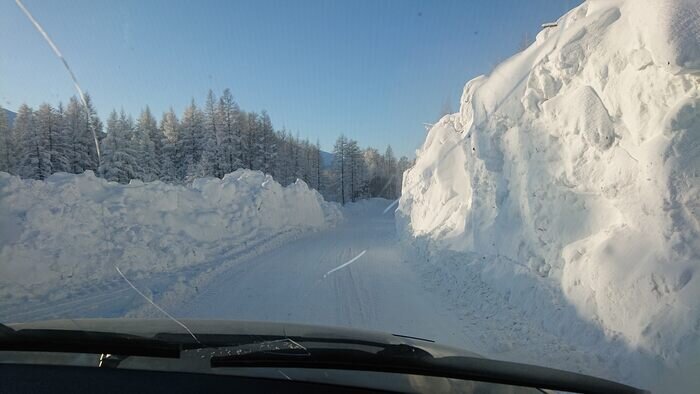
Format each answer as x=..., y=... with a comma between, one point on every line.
x=405, y=359
x=77, y=341
x=264, y=355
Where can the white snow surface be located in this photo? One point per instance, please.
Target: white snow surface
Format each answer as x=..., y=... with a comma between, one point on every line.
x=74, y=229
x=554, y=220
x=569, y=184
x=304, y=279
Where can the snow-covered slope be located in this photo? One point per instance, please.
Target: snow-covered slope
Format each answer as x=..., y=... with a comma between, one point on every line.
x=71, y=229
x=576, y=165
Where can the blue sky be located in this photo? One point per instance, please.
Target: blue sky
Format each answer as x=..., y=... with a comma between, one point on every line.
x=373, y=70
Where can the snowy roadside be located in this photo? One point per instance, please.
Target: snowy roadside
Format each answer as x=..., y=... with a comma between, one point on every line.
x=564, y=194
x=113, y=297
x=69, y=232
x=509, y=313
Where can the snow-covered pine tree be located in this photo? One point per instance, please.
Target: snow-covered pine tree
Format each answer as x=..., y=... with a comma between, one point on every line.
x=317, y=166
x=251, y=147
x=49, y=128
x=215, y=141
x=189, y=142
x=355, y=171
x=243, y=147
x=81, y=146
x=297, y=159
x=157, y=138
x=126, y=122
x=118, y=155
x=267, y=144
x=34, y=158
x=229, y=129
x=339, y=169
x=376, y=179
x=60, y=143
x=283, y=158
x=145, y=135
x=209, y=164
x=7, y=150
x=128, y=129
x=92, y=123
x=171, y=157
x=306, y=162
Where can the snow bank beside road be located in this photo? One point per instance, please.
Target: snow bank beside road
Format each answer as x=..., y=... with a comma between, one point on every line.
x=71, y=229
x=576, y=166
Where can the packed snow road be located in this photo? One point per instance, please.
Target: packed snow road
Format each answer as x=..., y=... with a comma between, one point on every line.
x=350, y=275
x=309, y=280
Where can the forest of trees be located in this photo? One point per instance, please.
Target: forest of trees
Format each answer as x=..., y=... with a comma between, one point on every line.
x=210, y=141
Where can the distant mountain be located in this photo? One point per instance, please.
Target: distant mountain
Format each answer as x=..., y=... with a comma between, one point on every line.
x=10, y=116
x=326, y=159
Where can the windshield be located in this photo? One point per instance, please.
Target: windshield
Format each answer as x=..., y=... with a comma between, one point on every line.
x=520, y=180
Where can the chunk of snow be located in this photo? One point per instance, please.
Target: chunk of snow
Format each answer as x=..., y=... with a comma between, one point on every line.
x=76, y=228
x=578, y=160
x=671, y=31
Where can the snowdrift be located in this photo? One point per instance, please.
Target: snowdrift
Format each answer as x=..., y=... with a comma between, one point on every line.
x=70, y=229
x=576, y=165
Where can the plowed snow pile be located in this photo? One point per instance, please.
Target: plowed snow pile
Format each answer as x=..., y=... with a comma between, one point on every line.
x=574, y=170
x=73, y=229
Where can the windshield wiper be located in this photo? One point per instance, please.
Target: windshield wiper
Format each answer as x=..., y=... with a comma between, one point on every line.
x=77, y=341
x=406, y=359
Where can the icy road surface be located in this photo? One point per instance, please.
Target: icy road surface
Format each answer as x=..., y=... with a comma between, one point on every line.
x=309, y=280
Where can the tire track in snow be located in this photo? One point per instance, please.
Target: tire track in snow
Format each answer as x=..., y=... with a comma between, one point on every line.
x=376, y=292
